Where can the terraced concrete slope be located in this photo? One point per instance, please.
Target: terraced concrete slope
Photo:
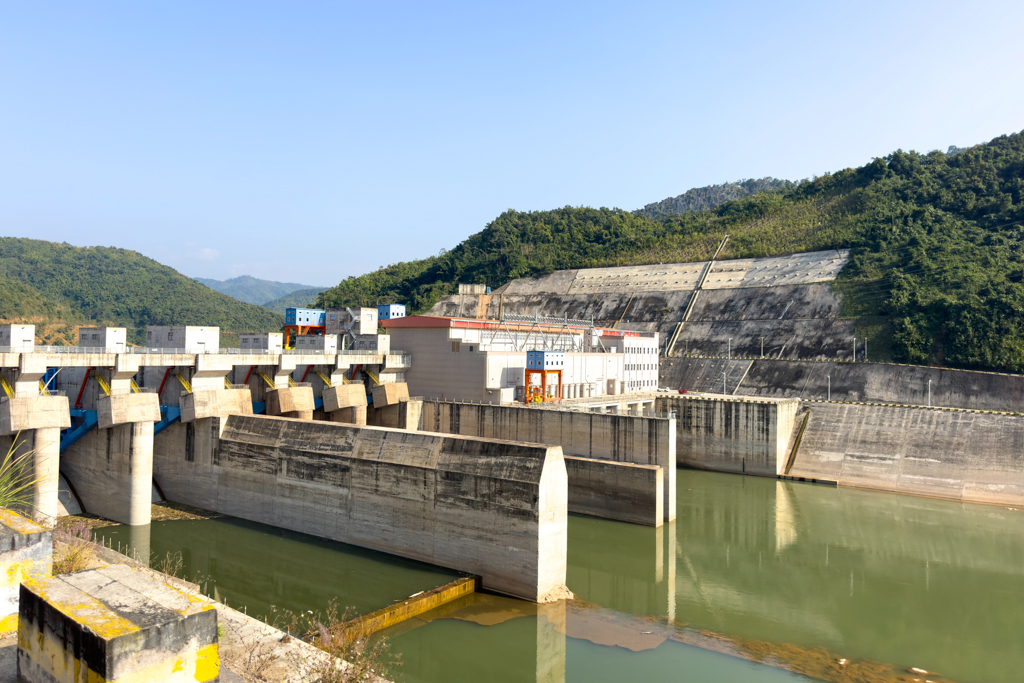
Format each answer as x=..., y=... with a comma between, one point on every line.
x=785, y=299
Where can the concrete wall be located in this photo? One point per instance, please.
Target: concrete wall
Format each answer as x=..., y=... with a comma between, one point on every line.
x=617, y=490
x=951, y=454
x=619, y=438
x=496, y=509
x=112, y=471
x=726, y=434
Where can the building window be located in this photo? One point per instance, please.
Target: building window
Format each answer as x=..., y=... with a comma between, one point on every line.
x=471, y=349
x=149, y=334
x=456, y=346
x=170, y=336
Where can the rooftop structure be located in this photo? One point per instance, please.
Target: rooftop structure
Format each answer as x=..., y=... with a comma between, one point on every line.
x=304, y=316
x=113, y=339
x=21, y=337
x=390, y=311
x=187, y=338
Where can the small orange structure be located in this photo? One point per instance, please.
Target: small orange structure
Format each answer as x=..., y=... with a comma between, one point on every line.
x=543, y=376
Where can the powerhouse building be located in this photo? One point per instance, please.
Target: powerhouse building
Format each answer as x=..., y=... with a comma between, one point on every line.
x=486, y=360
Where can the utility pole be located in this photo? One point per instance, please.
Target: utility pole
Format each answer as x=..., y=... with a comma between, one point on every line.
x=929, y=393
x=723, y=384
x=762, y=347
x=830, y=387
x=730, y=348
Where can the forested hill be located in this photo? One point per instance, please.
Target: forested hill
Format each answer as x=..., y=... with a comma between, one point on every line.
x=59, y=287
x=253, y=290
x=298, y=299
x=706, y=198
x=937, y=249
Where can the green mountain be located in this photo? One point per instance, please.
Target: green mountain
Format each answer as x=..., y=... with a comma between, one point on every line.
x=252, y=290
x=706, y=198
x=299, y=299
x=60, y=287
x=936, y=270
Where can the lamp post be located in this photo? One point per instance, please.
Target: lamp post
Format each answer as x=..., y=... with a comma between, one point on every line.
x=830, y=387
x=762, y=347
x=929, y=393
x=854, y=349
x=730, y=348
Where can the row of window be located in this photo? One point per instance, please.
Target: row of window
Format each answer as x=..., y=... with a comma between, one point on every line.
x=639, y=366
x=641, y=384
x=641, y=349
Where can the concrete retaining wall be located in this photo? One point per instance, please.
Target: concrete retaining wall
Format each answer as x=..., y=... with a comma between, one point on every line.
x=491, y=508
x=619, y=438
x=616, y=490
x=964, y=456
x=729, y=434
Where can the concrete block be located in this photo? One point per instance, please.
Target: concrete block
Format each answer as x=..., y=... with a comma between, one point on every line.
x=120, y=409
x=215, y=403
x=616, y=490
x=388, y=416
x=355, y=415
x=36, y=412
x=389, y=394
x=114, y=624
x=410, y=414
x=344, y=396
x=26, y=552
x=290, y=399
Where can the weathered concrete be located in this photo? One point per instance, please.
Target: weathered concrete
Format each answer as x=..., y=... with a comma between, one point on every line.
x=26, y=552
x=215, y=403
x=120, y=409
x=492, y=508
x=342, y=396
x=616, y=490
x=951, y=454
x=112, y=471
x=114, y=624
x=389, y=394
x=35, y=423
x=620, y=438
x=356, y=415
x=730, y=434
x=294, y=402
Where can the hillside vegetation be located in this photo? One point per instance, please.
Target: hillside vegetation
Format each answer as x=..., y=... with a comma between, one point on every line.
x=706, y=198
x=60, y=287
x=302, y=298
x=253, y=290
x=935, y=275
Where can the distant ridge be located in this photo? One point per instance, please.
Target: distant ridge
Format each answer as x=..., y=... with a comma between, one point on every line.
x=253, y=290
x=298, y=299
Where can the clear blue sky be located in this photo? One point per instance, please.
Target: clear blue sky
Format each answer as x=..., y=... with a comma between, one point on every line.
x=309, y=141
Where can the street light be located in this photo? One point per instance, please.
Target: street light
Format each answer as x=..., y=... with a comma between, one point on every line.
x=762, y=347
x=929, y=393
x=730, y=348
x=830, y=387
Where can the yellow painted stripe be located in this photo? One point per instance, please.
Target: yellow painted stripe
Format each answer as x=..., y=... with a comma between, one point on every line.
x=85, y=611
x=208, y=663
x=18, y=523
x=9, y=623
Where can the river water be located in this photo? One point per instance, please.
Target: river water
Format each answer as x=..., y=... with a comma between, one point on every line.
x=838, y=584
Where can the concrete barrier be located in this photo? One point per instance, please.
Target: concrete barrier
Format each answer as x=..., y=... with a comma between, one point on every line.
x=26, y=552
x=944, y=454
x=114, y=624
x=492, y=508
x=616, y=490
x=732, y=434
x=620, y=438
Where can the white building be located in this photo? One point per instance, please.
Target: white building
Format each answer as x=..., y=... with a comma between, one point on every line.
x=317, y=343
x=114, y=339
x=20, y=337
x=271, y=342
x=186, y=339
x=390, y=311
x=485, y=360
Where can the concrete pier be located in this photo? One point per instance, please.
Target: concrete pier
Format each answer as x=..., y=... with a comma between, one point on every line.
x=34, y=423
x=616, y=490
x=346, y=403
x=492, y=508
x=295, y=402
x=617, y=438
x=111, y=468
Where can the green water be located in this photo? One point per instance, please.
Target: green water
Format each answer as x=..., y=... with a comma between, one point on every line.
x=809, y=569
